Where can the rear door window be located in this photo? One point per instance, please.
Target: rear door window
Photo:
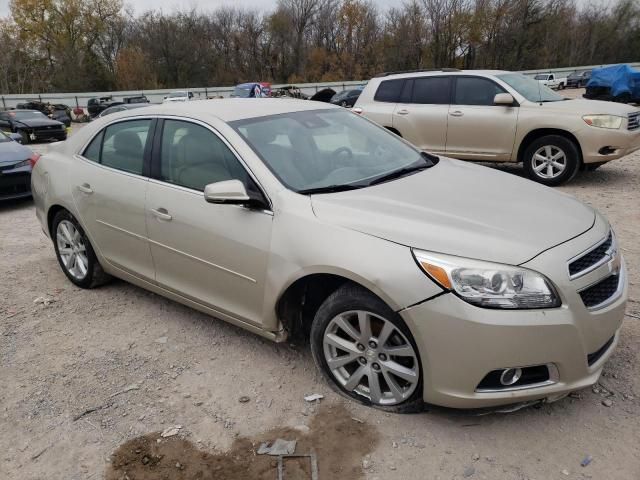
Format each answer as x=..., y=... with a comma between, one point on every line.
x=475, y=91
x=389, y=91
x=431, y=90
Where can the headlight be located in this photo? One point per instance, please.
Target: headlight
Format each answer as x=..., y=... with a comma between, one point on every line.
x=489, y=285
x=603, y=121
x=24, y=163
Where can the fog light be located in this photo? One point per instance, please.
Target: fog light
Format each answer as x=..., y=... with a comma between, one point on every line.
x=510, y=376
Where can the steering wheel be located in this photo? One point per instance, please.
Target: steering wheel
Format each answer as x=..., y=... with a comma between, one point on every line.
x=340, y=150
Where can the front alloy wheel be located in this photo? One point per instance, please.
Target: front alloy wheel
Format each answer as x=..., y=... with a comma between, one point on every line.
x=366, y=352
x=552, y=160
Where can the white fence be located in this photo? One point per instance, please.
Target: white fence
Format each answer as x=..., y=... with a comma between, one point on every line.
x=156, y=96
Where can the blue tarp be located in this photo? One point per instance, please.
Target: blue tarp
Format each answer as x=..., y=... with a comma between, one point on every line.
x=621, y=79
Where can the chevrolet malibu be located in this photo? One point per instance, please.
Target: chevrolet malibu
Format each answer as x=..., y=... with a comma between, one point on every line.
x=415, y=278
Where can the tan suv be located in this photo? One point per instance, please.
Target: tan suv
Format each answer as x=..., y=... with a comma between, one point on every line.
x=501, y=116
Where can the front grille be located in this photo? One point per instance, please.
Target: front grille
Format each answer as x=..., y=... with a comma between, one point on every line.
x=591, y=258
x=15, y=184
x=595, y=356
x=634, y=121
x=600, y=292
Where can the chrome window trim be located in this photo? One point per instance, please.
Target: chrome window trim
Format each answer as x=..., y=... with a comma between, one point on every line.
x=554, y=376
x=84, y=146
x=609, y=254
x=110, y=169
x=622, y=276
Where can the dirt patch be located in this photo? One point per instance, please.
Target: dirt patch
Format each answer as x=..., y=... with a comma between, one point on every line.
x=339, y=442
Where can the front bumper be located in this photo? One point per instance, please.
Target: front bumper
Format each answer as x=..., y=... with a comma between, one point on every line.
x=460, y=344
x=603, y=145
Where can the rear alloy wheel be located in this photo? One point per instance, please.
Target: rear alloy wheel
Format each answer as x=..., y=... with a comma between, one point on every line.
x=366, y=351
x=25, y=137
x=74, y=252
x=551, y=160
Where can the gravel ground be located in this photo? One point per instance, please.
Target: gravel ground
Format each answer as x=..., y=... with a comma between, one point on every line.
x=89, y=373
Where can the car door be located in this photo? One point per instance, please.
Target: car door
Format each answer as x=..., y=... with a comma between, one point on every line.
x=109, y=189
x=421, y=115
x=214, y=254
x=478, y=129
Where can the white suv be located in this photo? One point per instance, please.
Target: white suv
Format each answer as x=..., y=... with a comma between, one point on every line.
x=500, y=116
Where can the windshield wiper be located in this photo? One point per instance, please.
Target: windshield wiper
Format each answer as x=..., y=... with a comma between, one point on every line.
x=330, y=189
x=429, y=161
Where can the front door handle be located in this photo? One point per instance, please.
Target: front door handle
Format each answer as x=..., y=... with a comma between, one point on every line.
x=85, y=188
x=162, y=214
x=403, y=112
x=457, y=113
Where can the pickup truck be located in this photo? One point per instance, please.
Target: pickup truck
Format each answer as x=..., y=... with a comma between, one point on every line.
x=551, y=80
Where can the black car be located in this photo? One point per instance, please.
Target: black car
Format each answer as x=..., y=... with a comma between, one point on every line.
x=32, y=125
x=346, y=98
x=120, y=108
x=135, y=99
x=56, y=111
x=578, y=79
x=97, y=105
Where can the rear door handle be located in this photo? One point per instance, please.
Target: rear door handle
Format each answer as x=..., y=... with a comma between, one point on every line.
x=162, y=214
x=85, y=188
x=457, y=113
x=403, y=112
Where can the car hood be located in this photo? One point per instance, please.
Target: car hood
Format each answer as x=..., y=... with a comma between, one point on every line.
x=45, y=122
x=461, y=209
x=585, y=107
x=12, y=152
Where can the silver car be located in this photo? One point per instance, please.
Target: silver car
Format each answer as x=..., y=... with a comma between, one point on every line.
x=414, y=278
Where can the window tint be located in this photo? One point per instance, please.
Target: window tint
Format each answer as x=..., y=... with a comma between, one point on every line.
x=123, y=146
x=193, y=157
x=431, y=90
x=389, y=91
x=92, y=152
x=475, y=91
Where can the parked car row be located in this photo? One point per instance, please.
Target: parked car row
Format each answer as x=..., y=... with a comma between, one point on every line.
x=414, y=277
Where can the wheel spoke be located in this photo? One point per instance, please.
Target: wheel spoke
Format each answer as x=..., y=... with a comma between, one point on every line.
x=400, y=351
x=341, y=361
x=81, y=261
x=66, y=233
x=374, y=386
x=365, y=325
x=341, y=343
x=396, y=391
x=539, y=157
x=347, y=328
x=539, y=168
x=385, y=333
x=547, y=151
x=557, y=156
x=65, y=250
x=354, y=379
x=400, y=371
x=559, y=166
x=550, y=170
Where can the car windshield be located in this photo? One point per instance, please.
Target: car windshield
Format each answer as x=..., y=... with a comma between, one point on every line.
x=541, y=77
x=27, y=115
x=242, y=92
x=529, y=88
x=329, y=150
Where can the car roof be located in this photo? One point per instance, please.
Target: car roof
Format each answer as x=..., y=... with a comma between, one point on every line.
x=231, y=109
x=429, y=73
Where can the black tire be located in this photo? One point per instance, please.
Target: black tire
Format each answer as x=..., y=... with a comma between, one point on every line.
x=561, y=86
x=354, y=297
x=95, y=275
x=557, y=142
x=25, y=137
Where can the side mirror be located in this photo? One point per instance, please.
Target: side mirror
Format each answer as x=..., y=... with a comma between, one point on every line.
x=228, y=191
x=505, y=99
x=16, y=137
